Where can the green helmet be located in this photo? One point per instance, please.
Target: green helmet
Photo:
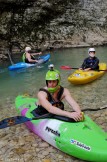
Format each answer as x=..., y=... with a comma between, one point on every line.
x=53, y=75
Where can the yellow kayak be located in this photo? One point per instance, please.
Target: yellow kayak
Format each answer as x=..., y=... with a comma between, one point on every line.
x=83, y=77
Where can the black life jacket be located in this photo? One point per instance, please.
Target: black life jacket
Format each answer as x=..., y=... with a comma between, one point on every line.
x=91, y=63
x=27, y=61
x=40, y=110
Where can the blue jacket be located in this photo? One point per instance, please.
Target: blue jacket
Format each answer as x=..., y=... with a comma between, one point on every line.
x=91, y=62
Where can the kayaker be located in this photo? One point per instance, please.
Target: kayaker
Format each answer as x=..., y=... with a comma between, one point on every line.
x=28, y=56
x=91, y=62
x=50, y=97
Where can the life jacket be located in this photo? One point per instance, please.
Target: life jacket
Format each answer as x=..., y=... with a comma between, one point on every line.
x=23, y=57
x=91, y=63
x=26, y=60
x=40, y=110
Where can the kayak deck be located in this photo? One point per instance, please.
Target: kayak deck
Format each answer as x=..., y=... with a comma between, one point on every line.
x=83, y=77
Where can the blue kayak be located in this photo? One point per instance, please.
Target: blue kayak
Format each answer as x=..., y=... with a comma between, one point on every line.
x=21, y=65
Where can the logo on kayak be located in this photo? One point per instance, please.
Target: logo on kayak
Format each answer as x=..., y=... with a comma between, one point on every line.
x=79, y=144
x=77, y=74
x=53, y=131
x=91, y=74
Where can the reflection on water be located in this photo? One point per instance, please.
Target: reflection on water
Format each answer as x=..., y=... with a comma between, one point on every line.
x=30, y=80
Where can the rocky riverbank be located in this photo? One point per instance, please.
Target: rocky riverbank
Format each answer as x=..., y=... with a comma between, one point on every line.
x=19, y=144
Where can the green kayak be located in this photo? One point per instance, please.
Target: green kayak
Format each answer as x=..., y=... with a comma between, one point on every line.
x=84, y=140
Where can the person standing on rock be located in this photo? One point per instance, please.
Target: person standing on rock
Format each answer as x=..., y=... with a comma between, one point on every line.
x=91, y=62
x=28, y=56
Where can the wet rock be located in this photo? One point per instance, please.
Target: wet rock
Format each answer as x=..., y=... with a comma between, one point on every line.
x=44, y=145
x=19, y=150
x=46, y=160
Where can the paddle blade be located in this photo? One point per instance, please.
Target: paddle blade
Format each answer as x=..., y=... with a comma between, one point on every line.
x=65, y=67
x=103, y=70
x=13, y=121
x=40, y=61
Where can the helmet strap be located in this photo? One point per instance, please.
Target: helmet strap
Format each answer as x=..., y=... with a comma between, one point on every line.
x=52, y=90
x=47, y=82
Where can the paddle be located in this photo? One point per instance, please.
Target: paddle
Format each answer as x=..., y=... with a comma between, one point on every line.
x=19, y=120
x=69, y=68
x=40, y=61
x=9, y=54
x=11, y=121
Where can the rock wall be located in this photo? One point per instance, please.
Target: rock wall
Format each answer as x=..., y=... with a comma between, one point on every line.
x=53, y=23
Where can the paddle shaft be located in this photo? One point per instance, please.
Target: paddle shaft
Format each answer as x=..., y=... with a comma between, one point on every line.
x=69, y=68
x=11, y=121
x=22, y=119
x=9, y=54
x=19, y=120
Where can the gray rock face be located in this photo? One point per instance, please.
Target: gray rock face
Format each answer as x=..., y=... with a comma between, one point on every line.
x=55, y=24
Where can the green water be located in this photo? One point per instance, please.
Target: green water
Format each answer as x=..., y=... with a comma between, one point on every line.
x=30, y=80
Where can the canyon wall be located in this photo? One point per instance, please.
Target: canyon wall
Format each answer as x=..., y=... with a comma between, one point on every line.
x=53, y=23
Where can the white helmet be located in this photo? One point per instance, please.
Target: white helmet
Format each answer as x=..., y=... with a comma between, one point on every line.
x=27, y=49
x=91, y=50
x=51, y=67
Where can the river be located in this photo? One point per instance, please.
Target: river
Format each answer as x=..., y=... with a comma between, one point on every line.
x=30, y=80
